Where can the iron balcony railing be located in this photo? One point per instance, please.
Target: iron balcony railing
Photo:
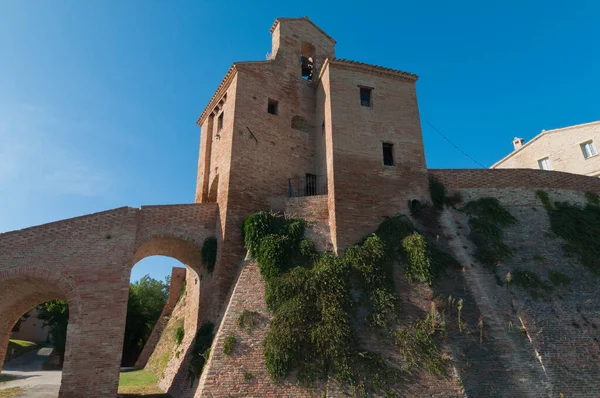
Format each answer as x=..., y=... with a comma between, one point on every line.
x=307, y=186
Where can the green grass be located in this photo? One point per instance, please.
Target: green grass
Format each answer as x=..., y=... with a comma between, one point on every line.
x=139, y=383
x=11, y=392
x=21, y=343
x=20, y=347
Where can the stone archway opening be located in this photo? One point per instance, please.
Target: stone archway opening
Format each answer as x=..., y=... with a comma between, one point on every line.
x=168, y=345
x=18, y=296
x=153, y=281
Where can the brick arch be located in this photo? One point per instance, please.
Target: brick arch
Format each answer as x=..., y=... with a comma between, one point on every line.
x=186, y=251
x=38, y=284
x=24, y=287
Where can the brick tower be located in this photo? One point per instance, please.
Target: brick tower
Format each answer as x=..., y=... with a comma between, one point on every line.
x=305, y=123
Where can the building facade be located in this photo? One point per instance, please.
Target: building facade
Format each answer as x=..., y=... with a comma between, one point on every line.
x=570, y=149
x=304, y=122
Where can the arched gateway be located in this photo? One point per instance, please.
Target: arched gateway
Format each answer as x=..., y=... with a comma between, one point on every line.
x=87, y=262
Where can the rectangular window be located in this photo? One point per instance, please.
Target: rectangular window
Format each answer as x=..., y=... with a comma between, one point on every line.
x=220, y=122
x=388, y=154
x=273, y=107
x=365, y=96
x=589, y=149
x=545, y=164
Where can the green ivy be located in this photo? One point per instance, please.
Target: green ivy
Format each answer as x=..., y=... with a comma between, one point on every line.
x=316, y=299
x=209, y=253
x=179, y=333
x=422, y=261
x=580, y=228
x=201, y=351
x=487, y=218
x=530, y=282
x=438, y=192
x=559, y=279
x=592, y=198
x=229, y=344
x=418, y=346
x=248, y=320
x=544, y=198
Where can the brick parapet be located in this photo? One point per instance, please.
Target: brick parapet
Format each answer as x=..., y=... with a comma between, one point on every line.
x=455, y=179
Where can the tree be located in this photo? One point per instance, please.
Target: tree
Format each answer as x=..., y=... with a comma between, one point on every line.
x=55, y=315
x=147, y=298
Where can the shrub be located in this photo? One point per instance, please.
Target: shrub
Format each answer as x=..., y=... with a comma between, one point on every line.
x=579, y=227
x=592, y=198
x=248, y=320
x=530, y=282
x=438, y=192
x=559, y=279
x=487, y=218
x=201, y=351
x=544, y=198
x=316, y=299
x=418, y=346
x=229, y=344
x=247, y=375
x=179, y=333
x=418, y=263
x=425, y=213
x=491, y=210
x=209, y=253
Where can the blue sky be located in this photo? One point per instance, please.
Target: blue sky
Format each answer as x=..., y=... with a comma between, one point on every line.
x=98, y=100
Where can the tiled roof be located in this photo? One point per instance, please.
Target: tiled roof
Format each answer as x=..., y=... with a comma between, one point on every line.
x=222, y=86
x=407, y=75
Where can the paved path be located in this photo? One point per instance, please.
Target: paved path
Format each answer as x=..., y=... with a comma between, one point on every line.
x=36, y=382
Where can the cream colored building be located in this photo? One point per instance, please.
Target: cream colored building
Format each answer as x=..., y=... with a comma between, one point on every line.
x=571, y=149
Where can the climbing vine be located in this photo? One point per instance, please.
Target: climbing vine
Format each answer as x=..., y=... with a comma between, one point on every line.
x=201, y=351
x=487, y=218
x=579, y=226
x=318, y=300
x=209, y=253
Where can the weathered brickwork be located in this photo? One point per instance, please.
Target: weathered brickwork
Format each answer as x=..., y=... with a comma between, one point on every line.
x=514, y=178
x=87, y=261
x=267, y=131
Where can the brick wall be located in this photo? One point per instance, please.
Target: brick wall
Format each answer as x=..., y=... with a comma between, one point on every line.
x=455, y=179
x=223, y=375
x=314, y=210
x=87, y=261
x=364, y=190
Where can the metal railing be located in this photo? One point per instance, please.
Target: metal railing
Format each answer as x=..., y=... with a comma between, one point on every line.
x=307, y=186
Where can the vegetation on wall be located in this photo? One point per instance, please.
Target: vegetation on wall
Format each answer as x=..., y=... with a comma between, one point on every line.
x=248, y=320
x=229, y=344
x=201, y=351
x=578, y=226
x=319, y=300
x=209, y=253
x=487, y=218
x=179, y=334
x=438, y=192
